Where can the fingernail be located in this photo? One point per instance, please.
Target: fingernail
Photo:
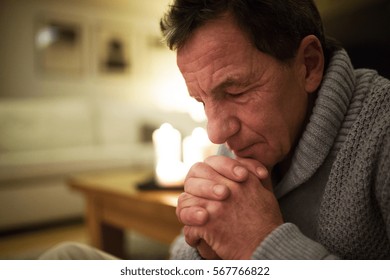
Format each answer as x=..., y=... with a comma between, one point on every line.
x=262, y=172
x=239, y=171
x=219, y=190
x=200, y=216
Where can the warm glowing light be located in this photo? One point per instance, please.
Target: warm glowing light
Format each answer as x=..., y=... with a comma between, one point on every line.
x=167, y=143
x=170, y=171
x=197, y=147
x=45, y=37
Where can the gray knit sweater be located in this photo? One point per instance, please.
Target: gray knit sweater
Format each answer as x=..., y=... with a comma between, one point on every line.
x=335, y=198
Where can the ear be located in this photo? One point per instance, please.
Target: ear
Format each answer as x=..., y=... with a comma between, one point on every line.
x=311, y=57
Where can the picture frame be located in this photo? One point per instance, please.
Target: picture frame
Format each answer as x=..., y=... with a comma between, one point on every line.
x=59, y=45
x=113, y=47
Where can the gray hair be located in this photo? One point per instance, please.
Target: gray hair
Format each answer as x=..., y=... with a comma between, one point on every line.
x=275, y=27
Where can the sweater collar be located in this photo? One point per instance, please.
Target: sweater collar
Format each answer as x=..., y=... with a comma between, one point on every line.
x=329, y=110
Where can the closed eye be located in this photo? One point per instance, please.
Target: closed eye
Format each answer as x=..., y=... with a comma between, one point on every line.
x=235, y=95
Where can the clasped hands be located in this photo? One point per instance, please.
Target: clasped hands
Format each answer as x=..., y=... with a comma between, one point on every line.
x=227, y=207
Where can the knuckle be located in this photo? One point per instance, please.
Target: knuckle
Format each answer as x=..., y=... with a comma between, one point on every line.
x=182, y=197
x=196, y=169
x=216, y=209
x=197, y=165
x=189, y=184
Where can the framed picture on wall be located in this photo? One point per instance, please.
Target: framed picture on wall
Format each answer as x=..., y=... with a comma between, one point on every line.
x=59, y=42
x=113, y=50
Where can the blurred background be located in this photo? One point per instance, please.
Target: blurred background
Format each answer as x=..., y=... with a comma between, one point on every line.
x=84, y=83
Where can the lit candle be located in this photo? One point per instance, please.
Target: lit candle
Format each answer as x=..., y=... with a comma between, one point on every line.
x=197, y=147
x=170, y=170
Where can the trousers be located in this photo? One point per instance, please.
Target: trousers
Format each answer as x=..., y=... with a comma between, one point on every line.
x=75, y=251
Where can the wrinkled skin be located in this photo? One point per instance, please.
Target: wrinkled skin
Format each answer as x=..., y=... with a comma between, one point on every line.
x=257, y=106
x=229, y=207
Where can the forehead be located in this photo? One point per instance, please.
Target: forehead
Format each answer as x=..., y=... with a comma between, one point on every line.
x=217, y=38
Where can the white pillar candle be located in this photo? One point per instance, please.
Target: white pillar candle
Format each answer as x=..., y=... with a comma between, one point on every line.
x=167, y=144
x=196, y=147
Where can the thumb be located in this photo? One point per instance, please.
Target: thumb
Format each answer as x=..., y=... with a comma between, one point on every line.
x=259, y=170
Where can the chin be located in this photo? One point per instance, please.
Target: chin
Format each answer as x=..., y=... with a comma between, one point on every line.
x=251, y=153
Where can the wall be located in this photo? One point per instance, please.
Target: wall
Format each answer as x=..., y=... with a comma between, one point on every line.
x=363, y=28
x=55, y=124
x=150, y=63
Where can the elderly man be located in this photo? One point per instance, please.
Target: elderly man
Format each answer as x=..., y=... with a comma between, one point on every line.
x=309, y=136
x=303, y=171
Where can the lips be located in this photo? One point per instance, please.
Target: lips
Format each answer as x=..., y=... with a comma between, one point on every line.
x=239, y=151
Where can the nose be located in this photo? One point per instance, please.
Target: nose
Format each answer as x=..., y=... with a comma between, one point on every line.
x=221, y=124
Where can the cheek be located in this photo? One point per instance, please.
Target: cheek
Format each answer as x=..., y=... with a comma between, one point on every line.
x=294, y=112
x=262, y=123
x=272, y=123
x=263, y=114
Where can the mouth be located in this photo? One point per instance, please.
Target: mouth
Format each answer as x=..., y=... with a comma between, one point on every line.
x=240, y=151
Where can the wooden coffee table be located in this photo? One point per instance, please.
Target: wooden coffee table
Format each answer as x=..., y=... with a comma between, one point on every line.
x=114, y=203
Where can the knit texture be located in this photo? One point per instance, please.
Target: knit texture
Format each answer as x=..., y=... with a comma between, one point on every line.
x=350, y=123
x=354, y=216
x=329, y=113
x=287, y=242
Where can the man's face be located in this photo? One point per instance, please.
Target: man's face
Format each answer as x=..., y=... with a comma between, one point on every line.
x=254, y=103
